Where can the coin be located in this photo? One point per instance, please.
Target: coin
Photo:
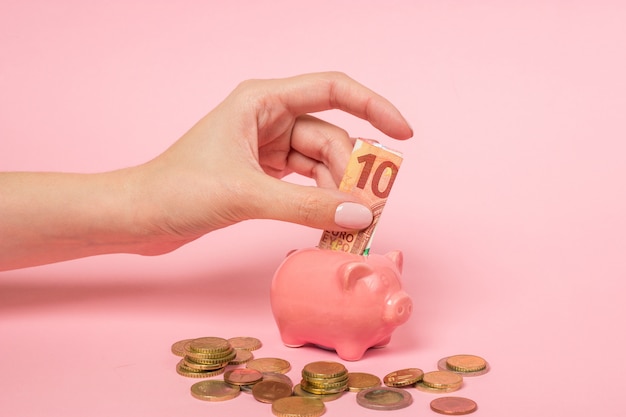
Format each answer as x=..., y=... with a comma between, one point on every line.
x=178, y=348
x=323, y=389
x=466, y=365
x=403, y=377
x=298, y=407
x=325, y=382
x=242, y=356
x=270, y=391
x=440, y=381
x=297, y=390
x=190, y=363
x=245, y=343
x=214, y=390
x=269, y=365
x=324, y=369
x=214, y=360
x=242, y=376
x=277, y=376
x=384, y=398
x=184, y=370
x=453, y=405
x=209, y=345
x=358, y=381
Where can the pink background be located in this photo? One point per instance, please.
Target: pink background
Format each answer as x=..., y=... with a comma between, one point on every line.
x=509, y=206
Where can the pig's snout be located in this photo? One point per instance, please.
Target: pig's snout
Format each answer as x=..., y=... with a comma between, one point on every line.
x=398, y=308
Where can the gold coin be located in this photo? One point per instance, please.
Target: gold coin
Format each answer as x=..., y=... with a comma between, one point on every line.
x=242, y=376
x=403, y=377
x=358, y=381
x=340, y=380
x=298, y=407
x=324, y=369
x=270, y=391
x=212, y=358
x=277, y=376
x=453, y=405
x=209, y=345
x=384, y=398
x=245, y=343
x=184, y=370
x=178, y=348
x=297, y=390
x=190, y=351
x=440, y=381
x=241, y=357
x=322, y=390
x=466, y=365
x=269, y=365
x=189, y=363
x=214, y=390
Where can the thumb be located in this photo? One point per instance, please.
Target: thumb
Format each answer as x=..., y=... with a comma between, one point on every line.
x=311, y=206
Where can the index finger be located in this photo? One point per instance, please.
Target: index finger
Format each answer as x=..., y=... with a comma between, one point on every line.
x=334, y=90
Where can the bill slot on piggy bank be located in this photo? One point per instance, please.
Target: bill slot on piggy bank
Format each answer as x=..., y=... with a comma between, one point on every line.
x=339, y=300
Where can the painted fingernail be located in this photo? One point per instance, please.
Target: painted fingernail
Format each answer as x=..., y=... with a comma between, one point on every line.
x=353, y=216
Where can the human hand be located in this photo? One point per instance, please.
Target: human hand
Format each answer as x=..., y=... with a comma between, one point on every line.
x=228, y=167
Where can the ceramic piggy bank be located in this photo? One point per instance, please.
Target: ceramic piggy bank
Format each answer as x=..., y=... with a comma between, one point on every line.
x=339, y=300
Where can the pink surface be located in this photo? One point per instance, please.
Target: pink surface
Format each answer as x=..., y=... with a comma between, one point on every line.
x=509, y=207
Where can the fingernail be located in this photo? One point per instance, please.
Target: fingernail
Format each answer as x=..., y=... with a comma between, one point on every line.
x=353, y=216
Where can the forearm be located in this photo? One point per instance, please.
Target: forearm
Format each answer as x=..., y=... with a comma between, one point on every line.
x=51, y=217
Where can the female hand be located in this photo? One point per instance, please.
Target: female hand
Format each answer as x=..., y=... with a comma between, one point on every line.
x=227, y=168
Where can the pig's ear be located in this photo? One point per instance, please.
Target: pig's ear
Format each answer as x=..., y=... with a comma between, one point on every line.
x=397, y=258
x=352, y=272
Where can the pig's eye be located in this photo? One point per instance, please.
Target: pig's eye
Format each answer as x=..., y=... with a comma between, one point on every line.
x=384, y=281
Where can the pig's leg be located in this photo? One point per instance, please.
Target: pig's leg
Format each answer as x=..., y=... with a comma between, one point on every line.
x=383, y=342
x=292, y=341
x=350, y=352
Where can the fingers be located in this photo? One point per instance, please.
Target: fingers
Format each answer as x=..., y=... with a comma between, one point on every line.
x=319, y=141
x=333, y=90
x=312, y=168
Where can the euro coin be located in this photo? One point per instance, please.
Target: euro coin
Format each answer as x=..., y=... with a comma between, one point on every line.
x=242, y=376
x=184, y=370
x=453, y=405
x=466, y=365
x=384, y=398
x=358, y=381
x=298, y=391
x=324, y=369
x=270, y=391
x=190, y=363
x=209, y=345
x=440, y=382
x=269, y=365
x=214, y=390
x=403, y=377
x=178, y=348
x=298, y=407
x=277, y=376
x=241, y=357
x=245, y=343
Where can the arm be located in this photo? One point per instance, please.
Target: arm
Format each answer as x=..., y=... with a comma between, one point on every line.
x=225, y=169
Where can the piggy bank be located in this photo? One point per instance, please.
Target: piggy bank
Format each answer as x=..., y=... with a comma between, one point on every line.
x=339, y=300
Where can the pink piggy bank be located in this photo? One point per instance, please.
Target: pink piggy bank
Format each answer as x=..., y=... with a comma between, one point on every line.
x=339, y=300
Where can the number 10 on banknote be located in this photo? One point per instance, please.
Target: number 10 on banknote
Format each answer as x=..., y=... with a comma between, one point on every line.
x=370, y=174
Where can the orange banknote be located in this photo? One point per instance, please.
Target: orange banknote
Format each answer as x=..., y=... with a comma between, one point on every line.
x=370, y=174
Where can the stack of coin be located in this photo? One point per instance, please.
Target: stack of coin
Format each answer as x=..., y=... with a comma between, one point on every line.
x=204, y=357
x=322, y=378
